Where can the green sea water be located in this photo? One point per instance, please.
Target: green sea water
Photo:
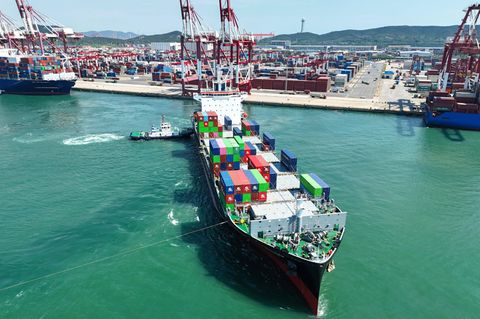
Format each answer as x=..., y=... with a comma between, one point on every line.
x=74, y=190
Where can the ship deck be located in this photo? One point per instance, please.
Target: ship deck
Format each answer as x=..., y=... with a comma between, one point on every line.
x=282, y=205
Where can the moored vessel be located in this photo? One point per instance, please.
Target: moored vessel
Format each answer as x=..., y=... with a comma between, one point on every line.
x=460, y=111
x=27, y=74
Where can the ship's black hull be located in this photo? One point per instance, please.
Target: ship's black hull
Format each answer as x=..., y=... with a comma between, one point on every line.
x=306, y=276
x=36, y=87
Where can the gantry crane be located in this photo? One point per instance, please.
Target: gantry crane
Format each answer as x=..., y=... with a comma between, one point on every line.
x=50, y=33
x=10, y=36
x=461, y=57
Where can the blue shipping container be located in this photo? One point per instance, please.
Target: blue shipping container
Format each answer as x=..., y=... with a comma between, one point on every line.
x=273, y=178
x=228, y=121
x=237, y=132
x=227, y=183
x=289, y=160
x=253, y=181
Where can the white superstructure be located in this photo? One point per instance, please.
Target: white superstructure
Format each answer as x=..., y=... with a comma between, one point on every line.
x=224, y=103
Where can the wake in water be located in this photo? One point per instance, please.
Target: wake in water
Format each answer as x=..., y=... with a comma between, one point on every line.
x=92, y=139
x=172, y=219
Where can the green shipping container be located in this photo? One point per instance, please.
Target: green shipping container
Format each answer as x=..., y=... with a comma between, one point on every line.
x=247, y=198
x=311, y=185
x=216, y=158
x=262, y=183
x=235, y=147
x=240, y=142
x=236, y=157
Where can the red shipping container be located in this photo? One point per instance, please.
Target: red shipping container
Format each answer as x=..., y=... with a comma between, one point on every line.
x=278, y=85
x=254, y=197
x=246, y=125
x=267, y=84
x=257, y=83
x=310, y=85
x=241, y=182
x=230, y=199
x=299, y=85
x=258, y=162
x=262, y=197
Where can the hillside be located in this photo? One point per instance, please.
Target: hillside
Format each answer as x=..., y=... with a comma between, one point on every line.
x=409, y=35
x=173, y=36
x=111, y=34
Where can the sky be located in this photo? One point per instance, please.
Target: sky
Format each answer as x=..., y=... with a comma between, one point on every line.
x=256, y=16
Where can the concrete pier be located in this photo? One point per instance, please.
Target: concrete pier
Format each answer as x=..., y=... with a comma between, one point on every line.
x=405, y=107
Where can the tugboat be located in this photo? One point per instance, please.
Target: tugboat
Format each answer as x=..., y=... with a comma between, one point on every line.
x=164, y=132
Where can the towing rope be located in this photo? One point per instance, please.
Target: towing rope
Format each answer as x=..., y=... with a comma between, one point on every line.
x=123, y=253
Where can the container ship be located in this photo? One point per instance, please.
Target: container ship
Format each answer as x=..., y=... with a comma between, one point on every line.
x=286, y=215
x=34, y=74
x=459, y=111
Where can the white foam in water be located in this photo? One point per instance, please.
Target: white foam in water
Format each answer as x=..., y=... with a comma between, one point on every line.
x=172, y=219
x=92, y=139
x=30, y=138
x=178, y=183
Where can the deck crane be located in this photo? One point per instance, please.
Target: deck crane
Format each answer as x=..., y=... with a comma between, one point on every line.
x=200, y=39
x=50, y=32
x=465, y=47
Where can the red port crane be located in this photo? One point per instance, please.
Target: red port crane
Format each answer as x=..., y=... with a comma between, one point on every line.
x=461, y=56
x=195, y=38
x=49, y=32
x=235, y=47
x=10, y=36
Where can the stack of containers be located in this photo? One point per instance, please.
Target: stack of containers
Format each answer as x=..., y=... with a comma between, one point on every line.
x=207, y=125
x=225, y=154
x=289, y=160
x=227, y=193
x=12, y=71
x=3, y=68
x=250, y=128
x=259, y=163
x=315, y=186
x=242, y=187
x=24, y=68
x=228, y=123
x=268, y=142
x=249, y=150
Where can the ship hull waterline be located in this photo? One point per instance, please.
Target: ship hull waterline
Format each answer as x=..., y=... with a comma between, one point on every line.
x=305, y=276
x=454, y=120
x=36, y=87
